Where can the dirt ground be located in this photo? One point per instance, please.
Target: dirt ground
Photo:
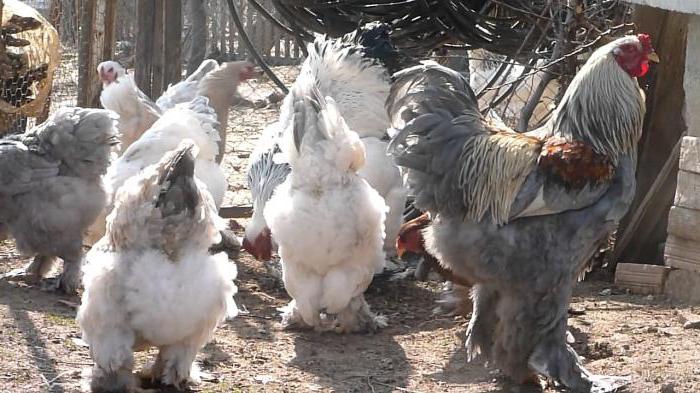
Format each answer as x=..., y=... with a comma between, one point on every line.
x=618, y=334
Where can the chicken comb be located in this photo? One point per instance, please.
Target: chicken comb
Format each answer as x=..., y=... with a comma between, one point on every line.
x=645, y=40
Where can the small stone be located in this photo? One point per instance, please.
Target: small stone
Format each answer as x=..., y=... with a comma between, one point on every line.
x=652, y=329
x=668, y=388
x=691, y=325
x=606, y=292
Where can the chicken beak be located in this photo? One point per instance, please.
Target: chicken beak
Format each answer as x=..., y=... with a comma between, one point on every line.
x=653, y=57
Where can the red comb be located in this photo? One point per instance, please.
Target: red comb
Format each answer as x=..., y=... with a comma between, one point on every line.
x=644, y=39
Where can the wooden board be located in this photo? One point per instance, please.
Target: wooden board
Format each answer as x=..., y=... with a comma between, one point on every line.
x=682, y=253
x=640, y=278
x=663, y=126
x=684, y=223
x=690, y=154
x=688, y=190
x=236, y=211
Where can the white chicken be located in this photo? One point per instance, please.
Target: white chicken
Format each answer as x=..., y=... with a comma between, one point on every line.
x=152, y=281
x=121, y=95
x=219, y=83
x=194, y=120
x=327, y=266
x=359, y=85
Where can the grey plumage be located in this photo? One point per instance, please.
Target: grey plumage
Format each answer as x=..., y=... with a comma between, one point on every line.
x=55, y=191
x=507, y=223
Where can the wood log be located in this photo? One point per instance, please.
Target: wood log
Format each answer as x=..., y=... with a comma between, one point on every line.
x=690, y=154
x=110, y=29
x=640, y=278
x=682, y=253
x=688, y=190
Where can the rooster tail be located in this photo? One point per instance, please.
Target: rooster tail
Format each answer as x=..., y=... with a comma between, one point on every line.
x=207, y=66
x=317, y=118
x=179, y=192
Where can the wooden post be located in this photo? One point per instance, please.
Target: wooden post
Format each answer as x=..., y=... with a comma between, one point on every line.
x=644, y=228
x=110, y=29
x=86, y=67
x=158, y=65
x=143, y=59
x=172, y=44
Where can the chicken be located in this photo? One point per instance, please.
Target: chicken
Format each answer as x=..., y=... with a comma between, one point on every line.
x=136, y=111
x=151, y=281
x=219, y=83
x=328, y=266
x=186, y=90
x=347, y=70
x=51, y=189
x=521, y=215
x=194, y=120
x=454, y=300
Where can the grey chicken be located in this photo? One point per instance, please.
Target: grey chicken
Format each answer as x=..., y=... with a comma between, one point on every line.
x=51, y=188
x=521, y=215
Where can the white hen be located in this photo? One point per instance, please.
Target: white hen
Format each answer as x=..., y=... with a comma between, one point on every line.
x=359, y=85
x=327, y=266
x=195, y=120
x=121, y=95
x=151, y=281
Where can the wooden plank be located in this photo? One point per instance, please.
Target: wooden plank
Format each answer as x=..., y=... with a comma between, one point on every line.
x=684, y=223
x=663, y=127
x=682, y=253
x=641, y=275
x=688, y=190
x=690, y=154
x=236, y=211
x=172, y=42
x=143, y=58
x=86, y=68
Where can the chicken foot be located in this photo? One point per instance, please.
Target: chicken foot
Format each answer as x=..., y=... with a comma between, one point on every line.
x=357, y=317
x=70, y=280
x=454, y=300
x=37, y=269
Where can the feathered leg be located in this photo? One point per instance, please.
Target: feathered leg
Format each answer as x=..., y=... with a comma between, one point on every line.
x=71, y=278
x=304, y=287
x=37, y=269
x=553, y=358
x=175, y=364
x=483, y=322
x=454, y=300
x=114, y=361
x=357, y=317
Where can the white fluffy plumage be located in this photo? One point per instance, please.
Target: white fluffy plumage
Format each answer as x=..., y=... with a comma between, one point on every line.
x=196, y=121
x=151, y=281
x=359, y=87
x=328, y=266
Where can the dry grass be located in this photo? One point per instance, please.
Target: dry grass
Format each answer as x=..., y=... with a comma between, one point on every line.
x=418, y=352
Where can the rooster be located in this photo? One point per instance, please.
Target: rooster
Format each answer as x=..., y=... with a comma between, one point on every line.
x=328, y=266
x=151, y=281
x=194, y=120
x=353, y=71
x=521, y=215
x=51, y=188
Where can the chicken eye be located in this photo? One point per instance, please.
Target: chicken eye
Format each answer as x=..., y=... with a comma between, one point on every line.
x=110, y=69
